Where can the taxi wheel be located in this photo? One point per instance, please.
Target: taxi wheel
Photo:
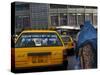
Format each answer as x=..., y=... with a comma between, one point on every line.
x=87, y=56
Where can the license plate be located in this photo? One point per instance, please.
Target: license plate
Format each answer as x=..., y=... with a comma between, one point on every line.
x=40, y=59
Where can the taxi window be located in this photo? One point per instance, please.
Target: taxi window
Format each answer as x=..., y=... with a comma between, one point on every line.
x=38, y=39
x=66, y=39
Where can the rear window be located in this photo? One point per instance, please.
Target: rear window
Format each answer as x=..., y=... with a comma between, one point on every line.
x=66, y=39
x=38, y=40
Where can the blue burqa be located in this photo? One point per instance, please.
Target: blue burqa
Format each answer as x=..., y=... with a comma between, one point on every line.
x=87, y=34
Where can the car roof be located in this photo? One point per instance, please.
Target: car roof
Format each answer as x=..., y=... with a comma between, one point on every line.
x=65, y=36
x=45, y=31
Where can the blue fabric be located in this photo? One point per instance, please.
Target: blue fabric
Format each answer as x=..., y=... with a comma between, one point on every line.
x=87, y=34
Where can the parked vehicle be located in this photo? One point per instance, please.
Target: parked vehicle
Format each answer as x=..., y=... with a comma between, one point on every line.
x=38, y=48
x=69, y=44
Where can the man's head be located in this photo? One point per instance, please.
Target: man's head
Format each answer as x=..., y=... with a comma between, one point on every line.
x=81, y=26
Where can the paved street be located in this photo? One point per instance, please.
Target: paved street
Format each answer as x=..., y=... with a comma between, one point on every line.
x=72, y=63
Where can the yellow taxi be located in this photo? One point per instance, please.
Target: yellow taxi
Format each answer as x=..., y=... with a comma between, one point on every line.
x=37, y=48
x=69, y=43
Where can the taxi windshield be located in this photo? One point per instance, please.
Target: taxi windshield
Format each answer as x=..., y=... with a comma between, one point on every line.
x=38, y=39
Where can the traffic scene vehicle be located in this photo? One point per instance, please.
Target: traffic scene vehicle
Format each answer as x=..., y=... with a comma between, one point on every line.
x=38, y=48
x=69, y=44
x=53, y=37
